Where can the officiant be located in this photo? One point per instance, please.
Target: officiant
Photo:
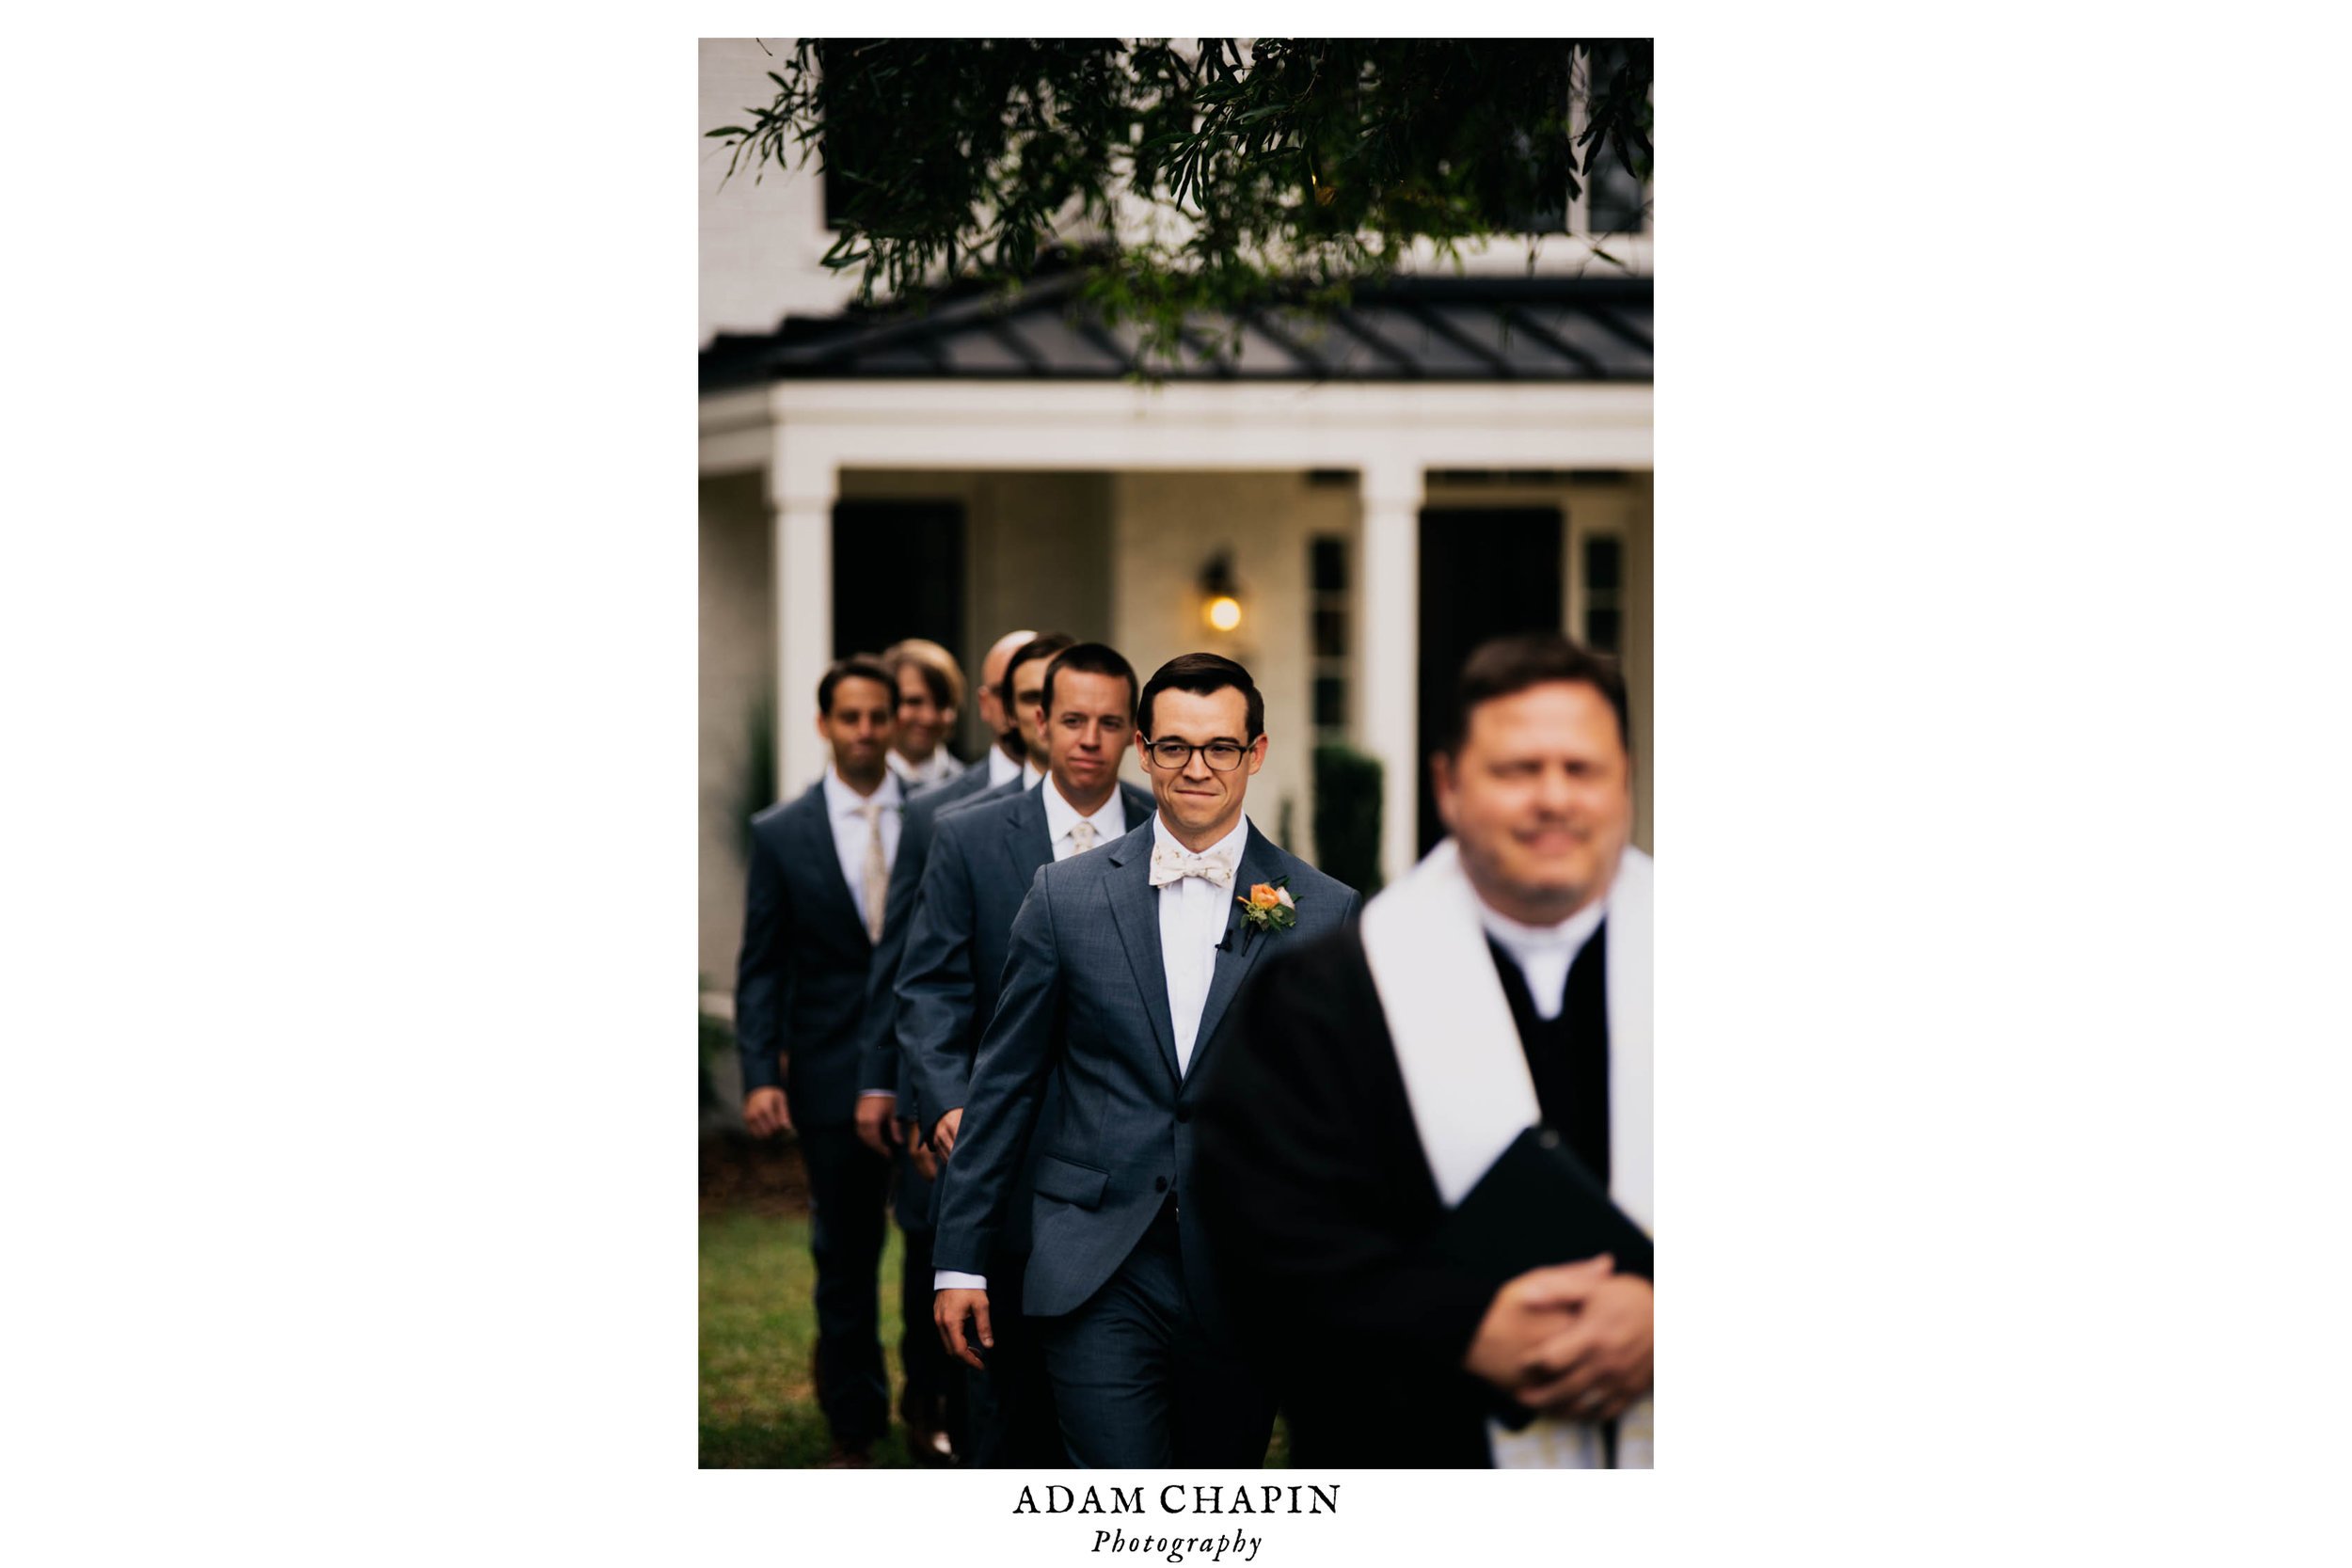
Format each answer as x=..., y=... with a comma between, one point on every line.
x=1427, y=1158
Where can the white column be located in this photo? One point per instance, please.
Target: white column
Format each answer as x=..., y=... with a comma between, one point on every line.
x=801, y=490
x=1392, y=493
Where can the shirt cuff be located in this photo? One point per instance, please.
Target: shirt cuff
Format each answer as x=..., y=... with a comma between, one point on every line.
x=870, y=1094
x=948, y=1279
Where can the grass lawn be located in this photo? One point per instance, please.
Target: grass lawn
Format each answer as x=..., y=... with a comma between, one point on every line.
x=758, y=1327
x=759, y=1407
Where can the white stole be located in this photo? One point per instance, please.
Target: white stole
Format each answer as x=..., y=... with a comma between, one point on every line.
x=1466, y=1075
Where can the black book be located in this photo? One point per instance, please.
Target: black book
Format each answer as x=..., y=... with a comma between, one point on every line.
x=1537, y=1206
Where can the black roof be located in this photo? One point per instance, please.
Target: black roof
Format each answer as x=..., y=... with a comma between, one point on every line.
x=1409, y=329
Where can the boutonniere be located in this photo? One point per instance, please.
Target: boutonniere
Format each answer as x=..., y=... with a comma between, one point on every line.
x=1269, y=907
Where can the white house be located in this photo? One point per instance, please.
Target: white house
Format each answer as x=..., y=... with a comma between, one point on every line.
x=1458, y=453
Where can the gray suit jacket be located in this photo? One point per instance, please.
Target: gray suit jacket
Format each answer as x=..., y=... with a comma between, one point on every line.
x=801, y=980
x=1082, y=1052
x=976, y=874
x=880, y=1066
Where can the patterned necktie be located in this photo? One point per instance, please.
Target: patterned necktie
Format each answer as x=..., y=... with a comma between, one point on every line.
x=1081, y=836
x=877, y=873
x=1172, y=864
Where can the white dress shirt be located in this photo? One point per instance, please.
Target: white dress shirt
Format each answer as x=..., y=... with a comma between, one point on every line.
x=1001, y=766
x=1109, y=819
x=845, y=807
x=1545, y=953
x=1193, y=916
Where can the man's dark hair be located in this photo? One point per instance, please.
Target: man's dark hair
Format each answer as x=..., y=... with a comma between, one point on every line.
x=1505, y=666
x=1201, y=674
x=1036, y=647
x=862, y=667
x=1092, y=658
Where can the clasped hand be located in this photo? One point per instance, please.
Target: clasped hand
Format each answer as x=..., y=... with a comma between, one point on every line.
x=1572, y=1339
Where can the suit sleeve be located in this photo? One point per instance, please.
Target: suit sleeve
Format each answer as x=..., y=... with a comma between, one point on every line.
x=1304, y=1206
x=935, y=990
x=1008, y=1086
x=763, y=971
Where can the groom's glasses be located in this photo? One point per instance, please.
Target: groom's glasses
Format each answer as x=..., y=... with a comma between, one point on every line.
x=1171, y=756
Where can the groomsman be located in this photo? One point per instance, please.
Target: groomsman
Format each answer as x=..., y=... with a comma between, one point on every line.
x=813, y=911
x=1024, y=696
x=1122, y=965
x=931, y=691
x=1379, y=1075
x=884, y=1093
x=1006, y=756
x=974, y=879
x=933, y=1405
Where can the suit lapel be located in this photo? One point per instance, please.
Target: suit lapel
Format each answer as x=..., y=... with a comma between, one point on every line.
x=1135, y=910
x=817, y=844
x=1026, y=848
x=1260, y=863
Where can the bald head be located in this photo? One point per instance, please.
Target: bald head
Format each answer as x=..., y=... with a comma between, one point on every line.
x=992, y=676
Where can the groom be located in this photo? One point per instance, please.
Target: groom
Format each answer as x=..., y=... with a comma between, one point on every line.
x=1122, y=966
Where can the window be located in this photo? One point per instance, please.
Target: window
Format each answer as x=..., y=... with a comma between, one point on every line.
x=1604, y=593
x=1549, y=212
x=1614, y=200
x=1328, y=615
x=842, y=155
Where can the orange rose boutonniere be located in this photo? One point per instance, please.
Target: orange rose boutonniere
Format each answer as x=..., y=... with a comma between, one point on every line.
x=1269, y=907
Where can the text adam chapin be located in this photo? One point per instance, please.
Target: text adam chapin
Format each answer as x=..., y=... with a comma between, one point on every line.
x=1179, y=1497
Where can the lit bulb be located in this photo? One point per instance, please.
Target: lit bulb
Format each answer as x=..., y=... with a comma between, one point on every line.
x=1224, y=613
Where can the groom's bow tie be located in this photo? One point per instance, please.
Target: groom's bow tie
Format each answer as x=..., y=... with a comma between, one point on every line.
x=1171, y=864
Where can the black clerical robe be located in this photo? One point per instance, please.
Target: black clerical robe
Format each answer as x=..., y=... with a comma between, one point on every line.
x=1325, y=1209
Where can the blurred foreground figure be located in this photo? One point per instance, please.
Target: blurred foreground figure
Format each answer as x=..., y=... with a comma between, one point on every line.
x=1427, y=1159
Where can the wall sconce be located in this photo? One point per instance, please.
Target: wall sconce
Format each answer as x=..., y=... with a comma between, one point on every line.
x=1220, y=595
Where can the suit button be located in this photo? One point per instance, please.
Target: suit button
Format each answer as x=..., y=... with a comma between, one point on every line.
x=1159, y=1184
x=1183, y=1112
